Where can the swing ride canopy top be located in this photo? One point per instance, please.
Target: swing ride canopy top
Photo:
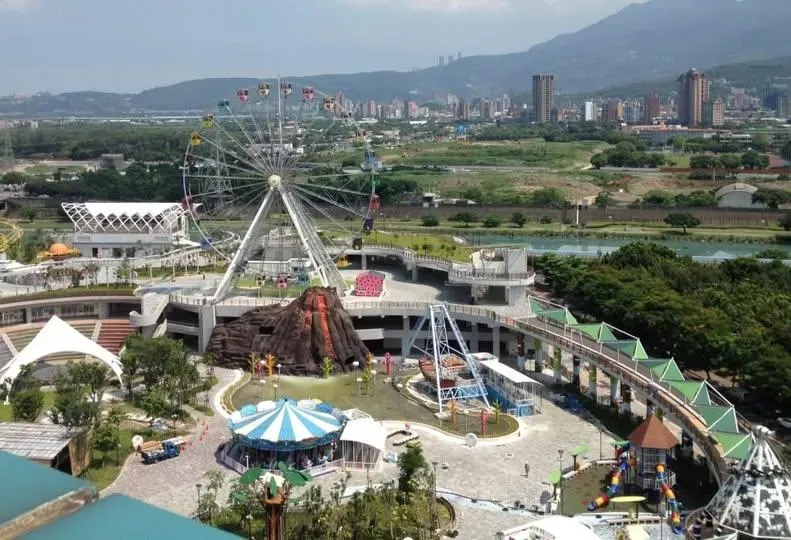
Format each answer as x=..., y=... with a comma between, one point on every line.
x=286, y=425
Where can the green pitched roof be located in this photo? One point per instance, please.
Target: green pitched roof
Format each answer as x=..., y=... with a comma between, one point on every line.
x=672, y=372
x=719, y=418
x=689, y=389
x=535, y=306
x=736, y=445
x=632, y=347
x=562, y=316
x=703, y=397
x=599, y=331
x=123, y=518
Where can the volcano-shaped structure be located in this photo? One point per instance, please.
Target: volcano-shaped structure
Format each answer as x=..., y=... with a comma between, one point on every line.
x=300, y=335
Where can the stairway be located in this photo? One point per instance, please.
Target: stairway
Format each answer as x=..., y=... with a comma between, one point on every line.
x=114, y=333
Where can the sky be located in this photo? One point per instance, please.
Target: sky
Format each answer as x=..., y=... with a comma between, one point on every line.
x=128, y=46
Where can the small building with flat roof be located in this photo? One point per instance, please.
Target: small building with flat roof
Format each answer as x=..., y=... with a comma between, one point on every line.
x=53, y=445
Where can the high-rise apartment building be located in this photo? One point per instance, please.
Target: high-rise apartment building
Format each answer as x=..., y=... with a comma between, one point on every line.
x=714, y=113
x=694, y=89
x=590, y=112
x=634, y=112
x=611, y=112
x=652, y=108
x=543, y=97
x=441, y=60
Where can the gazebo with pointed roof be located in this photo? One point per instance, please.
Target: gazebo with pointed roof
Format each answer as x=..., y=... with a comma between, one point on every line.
x=755, y=500
x=652, y=443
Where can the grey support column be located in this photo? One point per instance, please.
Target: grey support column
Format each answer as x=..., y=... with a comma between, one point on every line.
x=575, y=366
x=496, y=340
x=207, y=322
x=475, y=339
x=363, y=260
x=414, y=274
x=593, y=378
x=405, y=338
x=557, y=364
x=626, y=399
x=613, y=390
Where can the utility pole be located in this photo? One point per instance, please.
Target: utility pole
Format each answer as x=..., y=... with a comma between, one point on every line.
x=6, y=148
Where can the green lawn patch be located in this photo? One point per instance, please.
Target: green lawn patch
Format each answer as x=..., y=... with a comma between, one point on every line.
x=383, y=402
x=112, y=290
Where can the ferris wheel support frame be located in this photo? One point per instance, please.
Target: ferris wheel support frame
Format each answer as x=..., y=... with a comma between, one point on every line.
x=320, y=259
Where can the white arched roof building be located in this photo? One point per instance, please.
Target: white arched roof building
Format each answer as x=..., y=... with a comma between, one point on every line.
x=121, y=229
x=737, y=195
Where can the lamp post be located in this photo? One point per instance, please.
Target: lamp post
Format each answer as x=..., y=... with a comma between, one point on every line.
x=434, y=517
x=198, y=486
x=274, y=387
x=373, y=378
x=560, y=479
x=278, y=370
x=355, y=365
x=174, y=417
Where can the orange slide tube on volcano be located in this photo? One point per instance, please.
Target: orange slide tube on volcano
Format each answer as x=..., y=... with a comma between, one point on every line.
x=325, y=325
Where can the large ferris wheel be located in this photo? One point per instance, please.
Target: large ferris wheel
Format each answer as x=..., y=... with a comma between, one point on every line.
x=266, y=163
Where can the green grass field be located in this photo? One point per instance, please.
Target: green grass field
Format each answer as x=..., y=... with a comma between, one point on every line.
x=7, y=415
x=383, y=402
x=522, y=153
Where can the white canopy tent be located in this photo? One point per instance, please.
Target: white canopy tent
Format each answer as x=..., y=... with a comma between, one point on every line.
x=362, y=443
x=58, y=337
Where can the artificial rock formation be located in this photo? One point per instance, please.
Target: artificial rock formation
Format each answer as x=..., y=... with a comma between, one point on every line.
x=299, y=335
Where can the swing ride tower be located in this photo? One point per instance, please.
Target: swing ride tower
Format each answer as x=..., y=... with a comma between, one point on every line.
x=446, y=363
x=252, y=164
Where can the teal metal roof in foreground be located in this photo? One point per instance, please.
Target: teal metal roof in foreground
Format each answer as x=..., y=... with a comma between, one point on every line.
x=122, y=518
x=27, y=485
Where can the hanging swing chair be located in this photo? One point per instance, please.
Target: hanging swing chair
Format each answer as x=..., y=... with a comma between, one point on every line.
x=343, y=262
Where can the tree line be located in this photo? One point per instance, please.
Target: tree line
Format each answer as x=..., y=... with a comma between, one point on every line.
x=731, y=317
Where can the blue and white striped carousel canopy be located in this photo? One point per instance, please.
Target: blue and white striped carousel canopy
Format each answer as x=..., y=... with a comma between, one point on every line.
x=285, y=421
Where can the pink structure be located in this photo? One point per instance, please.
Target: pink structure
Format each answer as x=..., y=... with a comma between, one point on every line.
x=369, y=284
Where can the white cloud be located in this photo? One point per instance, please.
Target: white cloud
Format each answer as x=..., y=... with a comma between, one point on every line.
x=435, y=5
x=14, y=4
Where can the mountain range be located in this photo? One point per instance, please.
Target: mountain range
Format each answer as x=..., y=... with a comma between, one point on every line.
x=642, y=42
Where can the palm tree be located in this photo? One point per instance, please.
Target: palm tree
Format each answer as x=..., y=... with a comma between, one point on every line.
x=270, y=360
x=453, y=409
x=326, y=367
x=498, y=408
x=252, y=361
x=256, y=485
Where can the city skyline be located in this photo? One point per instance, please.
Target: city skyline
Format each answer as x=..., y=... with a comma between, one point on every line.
x=133, y=47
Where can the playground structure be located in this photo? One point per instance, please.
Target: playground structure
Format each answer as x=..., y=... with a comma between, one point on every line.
x=618, y=477
x=642, y=461
x=447, y=366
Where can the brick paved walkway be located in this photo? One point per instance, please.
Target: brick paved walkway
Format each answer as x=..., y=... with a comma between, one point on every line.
x=170, y=484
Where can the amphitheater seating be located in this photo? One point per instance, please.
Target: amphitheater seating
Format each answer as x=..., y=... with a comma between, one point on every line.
x=5, y=354
x=113, y=334
x=369, y=284
x=22, y=336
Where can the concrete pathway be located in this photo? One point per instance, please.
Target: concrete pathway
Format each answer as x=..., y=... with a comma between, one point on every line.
x=170, y=484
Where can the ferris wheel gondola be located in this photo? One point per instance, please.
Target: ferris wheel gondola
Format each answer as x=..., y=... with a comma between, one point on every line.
x=252, y=165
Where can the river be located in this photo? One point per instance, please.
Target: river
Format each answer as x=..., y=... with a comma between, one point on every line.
x=592, y=247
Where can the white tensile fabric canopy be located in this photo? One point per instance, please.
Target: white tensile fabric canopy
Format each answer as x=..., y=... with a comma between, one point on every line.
x=362, y=443
x=58, y=337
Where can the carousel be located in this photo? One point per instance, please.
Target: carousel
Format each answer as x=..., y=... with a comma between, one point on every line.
x=303, y=434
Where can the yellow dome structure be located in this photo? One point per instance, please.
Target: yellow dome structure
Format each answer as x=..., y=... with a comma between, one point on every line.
x=59, y=250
